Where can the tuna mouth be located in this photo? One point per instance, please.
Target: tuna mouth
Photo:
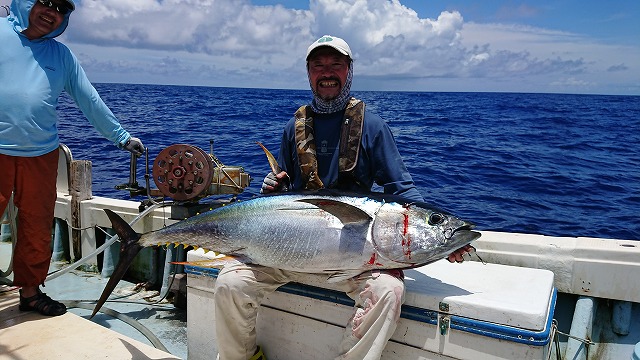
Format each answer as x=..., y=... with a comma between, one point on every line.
x=466, y=226
x=465, y=233
x=463, y=230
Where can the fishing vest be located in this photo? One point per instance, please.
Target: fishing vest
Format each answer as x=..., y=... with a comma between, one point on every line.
x=350, y=135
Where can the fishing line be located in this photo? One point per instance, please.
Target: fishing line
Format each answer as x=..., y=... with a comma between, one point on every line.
x=114, y=238
x=108, y=243
x=556, y=340
x=128, y=320
x=553, y=336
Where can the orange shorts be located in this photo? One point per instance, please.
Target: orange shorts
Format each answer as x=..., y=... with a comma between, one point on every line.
x=33, y=181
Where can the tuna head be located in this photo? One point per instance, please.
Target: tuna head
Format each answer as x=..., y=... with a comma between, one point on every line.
x=415, y=234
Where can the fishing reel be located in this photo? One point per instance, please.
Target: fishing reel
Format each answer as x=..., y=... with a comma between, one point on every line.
x=186, y=173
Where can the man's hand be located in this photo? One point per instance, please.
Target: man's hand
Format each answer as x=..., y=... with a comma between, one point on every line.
x=274, y=183
x=458, y=255
x=134, y=146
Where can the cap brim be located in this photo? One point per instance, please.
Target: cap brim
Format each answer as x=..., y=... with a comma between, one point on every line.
x=320, y=47
x=69, y=5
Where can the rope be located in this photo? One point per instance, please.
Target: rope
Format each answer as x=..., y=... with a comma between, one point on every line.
x=108, y=243
x=556, y=340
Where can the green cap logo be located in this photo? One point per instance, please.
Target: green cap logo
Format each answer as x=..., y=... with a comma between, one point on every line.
x=324, y=39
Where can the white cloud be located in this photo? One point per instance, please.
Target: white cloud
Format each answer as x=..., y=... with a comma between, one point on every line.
x=234, y=43
x=207, y=26
x=548, y=58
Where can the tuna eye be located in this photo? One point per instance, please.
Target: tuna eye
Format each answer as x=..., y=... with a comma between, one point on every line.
x=436, y=219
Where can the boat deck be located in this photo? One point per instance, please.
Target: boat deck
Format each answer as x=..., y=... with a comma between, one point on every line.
x=136, y=327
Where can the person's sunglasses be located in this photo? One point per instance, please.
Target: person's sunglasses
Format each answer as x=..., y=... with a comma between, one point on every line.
x=61, y=9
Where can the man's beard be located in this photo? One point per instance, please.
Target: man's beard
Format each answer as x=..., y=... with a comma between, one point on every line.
x=338, y=103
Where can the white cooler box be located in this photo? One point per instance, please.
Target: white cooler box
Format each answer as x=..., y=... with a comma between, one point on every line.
x=451, y=311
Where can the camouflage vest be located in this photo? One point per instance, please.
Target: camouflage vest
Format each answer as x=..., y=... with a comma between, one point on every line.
x=350, y=135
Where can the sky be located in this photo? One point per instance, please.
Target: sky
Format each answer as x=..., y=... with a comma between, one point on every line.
x=560, y=46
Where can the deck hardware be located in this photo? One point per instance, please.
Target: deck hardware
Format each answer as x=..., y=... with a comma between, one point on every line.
x=443, y=306
x=444, y=325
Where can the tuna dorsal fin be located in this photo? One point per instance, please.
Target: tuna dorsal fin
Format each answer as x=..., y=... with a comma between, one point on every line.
x=347, y=214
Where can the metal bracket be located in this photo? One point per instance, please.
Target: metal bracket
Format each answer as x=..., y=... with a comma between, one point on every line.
x=444, y=307
x=444, y=325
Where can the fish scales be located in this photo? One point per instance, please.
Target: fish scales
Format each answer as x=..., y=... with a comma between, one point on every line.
x=310, y=233
x=324, y=232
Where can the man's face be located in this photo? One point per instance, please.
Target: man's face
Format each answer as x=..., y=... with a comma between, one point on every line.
x=328, y=70
x=43, y=19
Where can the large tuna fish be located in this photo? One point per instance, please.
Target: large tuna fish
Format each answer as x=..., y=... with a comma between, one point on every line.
x=318, y=232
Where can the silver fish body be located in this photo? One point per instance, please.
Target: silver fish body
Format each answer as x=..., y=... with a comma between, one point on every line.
x=323, y=233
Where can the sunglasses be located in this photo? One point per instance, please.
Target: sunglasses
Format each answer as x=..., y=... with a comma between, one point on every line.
x=61, y=9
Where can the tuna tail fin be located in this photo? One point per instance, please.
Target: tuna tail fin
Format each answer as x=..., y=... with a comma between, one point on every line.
x=129, y=248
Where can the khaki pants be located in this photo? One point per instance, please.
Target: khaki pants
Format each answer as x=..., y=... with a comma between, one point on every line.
x=240, y=289
x=33, y=181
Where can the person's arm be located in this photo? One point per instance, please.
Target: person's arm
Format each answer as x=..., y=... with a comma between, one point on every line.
x=389, y=169
x=77, y=85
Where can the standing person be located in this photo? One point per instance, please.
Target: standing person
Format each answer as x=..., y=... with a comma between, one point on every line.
x=34, y=70
x=334, y=143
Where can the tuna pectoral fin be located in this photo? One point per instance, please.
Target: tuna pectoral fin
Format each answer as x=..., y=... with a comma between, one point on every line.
x=347, y=214
x=129, y=248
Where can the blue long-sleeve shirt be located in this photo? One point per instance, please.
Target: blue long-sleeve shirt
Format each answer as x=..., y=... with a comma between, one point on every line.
x=33, y=74
x=379, y=160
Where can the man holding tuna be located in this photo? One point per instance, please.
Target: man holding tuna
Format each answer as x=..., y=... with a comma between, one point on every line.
x=328, y=144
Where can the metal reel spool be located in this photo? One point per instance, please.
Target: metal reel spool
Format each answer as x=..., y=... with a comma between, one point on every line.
x=183, y=172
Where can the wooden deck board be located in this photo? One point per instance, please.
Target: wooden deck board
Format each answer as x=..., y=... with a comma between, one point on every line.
x=29, y=335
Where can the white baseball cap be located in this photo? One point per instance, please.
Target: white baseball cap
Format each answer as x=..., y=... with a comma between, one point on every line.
x=332, y=41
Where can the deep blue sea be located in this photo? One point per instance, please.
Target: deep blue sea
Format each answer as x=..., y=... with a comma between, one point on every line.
x=551, y=164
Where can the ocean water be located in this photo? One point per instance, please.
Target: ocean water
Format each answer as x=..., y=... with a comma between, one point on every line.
x=551, y=164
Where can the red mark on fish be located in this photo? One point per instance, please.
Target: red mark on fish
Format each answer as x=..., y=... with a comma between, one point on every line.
x=406, y=239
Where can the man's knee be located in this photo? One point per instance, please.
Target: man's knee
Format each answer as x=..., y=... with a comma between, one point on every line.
x=394, y=295
x=238, y=286
x=228, y=284
x=390, y=290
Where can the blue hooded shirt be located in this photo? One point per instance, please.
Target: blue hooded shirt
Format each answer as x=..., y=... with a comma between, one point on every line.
x=33, y=74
